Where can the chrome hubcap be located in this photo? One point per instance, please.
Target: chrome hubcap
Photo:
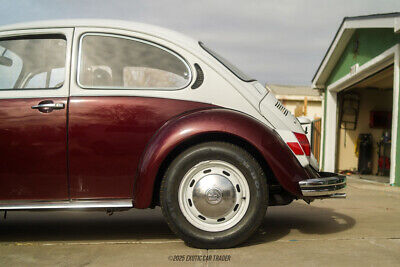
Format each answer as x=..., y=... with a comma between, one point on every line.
x=214, y=195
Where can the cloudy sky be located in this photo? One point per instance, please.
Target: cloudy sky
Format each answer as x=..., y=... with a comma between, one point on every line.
x=274, y=41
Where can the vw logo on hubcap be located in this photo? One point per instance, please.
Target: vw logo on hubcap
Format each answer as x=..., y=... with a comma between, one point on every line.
x=213, y=196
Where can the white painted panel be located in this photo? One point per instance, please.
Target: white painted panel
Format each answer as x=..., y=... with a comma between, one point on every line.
x=330, y=131
x=278, y=116
x=395, y=114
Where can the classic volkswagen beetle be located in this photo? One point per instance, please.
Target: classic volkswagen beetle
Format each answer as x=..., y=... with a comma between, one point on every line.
x=116, y=115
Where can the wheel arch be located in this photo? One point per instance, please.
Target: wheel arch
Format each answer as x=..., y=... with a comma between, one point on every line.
x=204, y=138
x=214, y=125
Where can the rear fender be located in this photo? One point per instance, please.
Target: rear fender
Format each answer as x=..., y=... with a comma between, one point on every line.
x=280, y=159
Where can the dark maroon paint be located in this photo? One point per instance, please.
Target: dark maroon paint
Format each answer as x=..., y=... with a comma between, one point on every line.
x=33, y=155
x=283, y=163
x=112, y=140
x=107, y=136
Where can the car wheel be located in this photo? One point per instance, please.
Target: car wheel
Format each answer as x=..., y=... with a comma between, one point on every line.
x=214, y=195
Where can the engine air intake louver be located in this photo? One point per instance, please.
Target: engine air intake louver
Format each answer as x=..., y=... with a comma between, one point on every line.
x=281, y=108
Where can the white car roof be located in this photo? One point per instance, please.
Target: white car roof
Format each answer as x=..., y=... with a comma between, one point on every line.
x=156, y=31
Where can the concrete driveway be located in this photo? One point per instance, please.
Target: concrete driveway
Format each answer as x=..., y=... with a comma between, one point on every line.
x=362, y=230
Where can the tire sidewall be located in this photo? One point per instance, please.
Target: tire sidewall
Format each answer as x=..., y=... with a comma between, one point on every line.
x=223, y=152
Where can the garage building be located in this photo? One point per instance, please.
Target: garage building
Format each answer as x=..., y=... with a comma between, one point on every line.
x=359, y=77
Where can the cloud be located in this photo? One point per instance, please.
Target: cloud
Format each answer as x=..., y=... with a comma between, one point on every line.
x=276, y=41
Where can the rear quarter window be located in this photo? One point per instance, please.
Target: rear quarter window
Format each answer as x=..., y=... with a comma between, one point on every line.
x=109, y=61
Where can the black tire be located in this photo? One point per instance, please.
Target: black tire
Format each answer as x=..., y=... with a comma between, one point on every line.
x=255, y=178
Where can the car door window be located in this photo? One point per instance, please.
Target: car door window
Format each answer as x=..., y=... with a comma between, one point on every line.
x=32, y=62
x=10, y=68
x=118, y=62
x=37, y=81
x=40, y=80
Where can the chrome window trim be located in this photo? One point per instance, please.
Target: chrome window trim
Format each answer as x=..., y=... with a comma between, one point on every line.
x=78, y=68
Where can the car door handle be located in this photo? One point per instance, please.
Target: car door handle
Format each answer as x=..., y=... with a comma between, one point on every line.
x=50, y=105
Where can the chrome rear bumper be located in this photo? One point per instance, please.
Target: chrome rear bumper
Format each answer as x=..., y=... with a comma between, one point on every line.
x=329, y=185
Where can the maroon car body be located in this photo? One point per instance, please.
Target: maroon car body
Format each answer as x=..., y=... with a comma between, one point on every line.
x=116, y=146
x=33, y=150
x=217, y=124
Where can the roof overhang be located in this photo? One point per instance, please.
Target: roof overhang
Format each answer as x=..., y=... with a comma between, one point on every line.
x=299, y=98
x=342, y=37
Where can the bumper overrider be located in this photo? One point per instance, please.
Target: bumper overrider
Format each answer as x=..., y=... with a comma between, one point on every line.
x=328, y=185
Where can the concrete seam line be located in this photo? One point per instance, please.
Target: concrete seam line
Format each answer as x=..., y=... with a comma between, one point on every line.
x=177, y=241
x=89, y=243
